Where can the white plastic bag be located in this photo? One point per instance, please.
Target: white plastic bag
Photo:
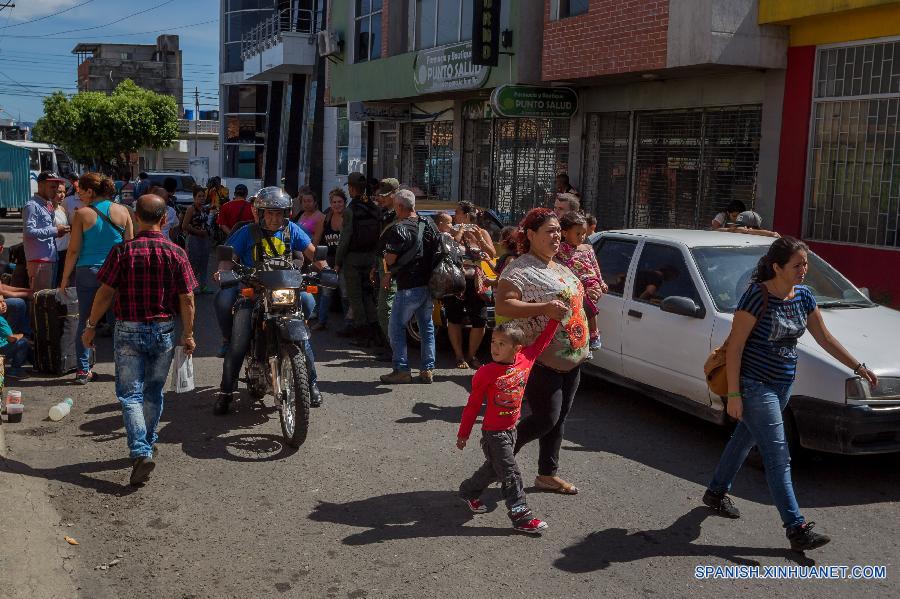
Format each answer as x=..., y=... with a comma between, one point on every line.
x=182, y=371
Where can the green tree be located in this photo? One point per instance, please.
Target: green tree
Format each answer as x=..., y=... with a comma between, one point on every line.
x=106, y=129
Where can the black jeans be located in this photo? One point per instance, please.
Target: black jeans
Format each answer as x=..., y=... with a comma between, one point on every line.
x=549, y=395
x=500, y=464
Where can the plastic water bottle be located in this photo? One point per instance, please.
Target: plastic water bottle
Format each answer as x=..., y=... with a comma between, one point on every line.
x=61, y=410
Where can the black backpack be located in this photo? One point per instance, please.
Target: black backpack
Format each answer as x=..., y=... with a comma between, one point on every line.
x=447, y=275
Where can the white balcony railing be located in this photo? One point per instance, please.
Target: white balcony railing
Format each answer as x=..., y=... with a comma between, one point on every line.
x=268, y=32
x=198, y=127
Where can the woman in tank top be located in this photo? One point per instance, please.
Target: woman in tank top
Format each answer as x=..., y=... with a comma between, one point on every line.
x=533, y=289
x=96, y=228
x=308, y=215
x=196, y=224
x=331, y=237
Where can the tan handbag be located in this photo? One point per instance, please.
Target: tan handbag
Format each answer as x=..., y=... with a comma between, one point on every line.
x=714, y=367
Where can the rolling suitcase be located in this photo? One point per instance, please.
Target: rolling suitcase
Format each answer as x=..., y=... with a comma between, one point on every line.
x=54, y=320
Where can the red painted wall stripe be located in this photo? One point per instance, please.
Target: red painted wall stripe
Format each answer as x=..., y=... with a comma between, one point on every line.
x=791, y=184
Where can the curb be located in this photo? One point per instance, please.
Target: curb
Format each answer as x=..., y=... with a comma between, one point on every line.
x=2, y=442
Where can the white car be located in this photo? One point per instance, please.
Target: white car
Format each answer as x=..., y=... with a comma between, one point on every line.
x=184, y=192
x=672, y=294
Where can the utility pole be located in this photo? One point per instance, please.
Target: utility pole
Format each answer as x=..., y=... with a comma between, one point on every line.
x=197, y=119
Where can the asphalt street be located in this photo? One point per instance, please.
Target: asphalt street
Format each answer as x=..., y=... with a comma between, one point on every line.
x=367, y=507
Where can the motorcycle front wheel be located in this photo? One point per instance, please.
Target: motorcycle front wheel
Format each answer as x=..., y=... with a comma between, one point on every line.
x=295, y=398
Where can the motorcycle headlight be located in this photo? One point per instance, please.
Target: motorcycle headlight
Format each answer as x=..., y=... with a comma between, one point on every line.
x=283, y=297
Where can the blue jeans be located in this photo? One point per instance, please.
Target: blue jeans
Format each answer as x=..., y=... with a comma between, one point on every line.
x=763, y=426
x=17, y=315
x=18, y=353
x=224, y=304
x=86, y=286
x=198, y=254
x=143, y=355
x=408, y=303
x=241, y=332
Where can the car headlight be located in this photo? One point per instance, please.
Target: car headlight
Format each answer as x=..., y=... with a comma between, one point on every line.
x=283, y=297
x=888, y=388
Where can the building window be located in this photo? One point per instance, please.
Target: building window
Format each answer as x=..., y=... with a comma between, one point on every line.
x=368, y=30
x=853, y=175
x=343, y=142
x=440, y=22
x=240, y=17
x=426, y=158
x=572, y=8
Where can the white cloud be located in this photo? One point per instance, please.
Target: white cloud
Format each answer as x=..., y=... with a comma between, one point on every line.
x=29, y=9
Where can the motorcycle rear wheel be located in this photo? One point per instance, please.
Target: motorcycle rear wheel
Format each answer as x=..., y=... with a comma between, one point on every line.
x=294, y=403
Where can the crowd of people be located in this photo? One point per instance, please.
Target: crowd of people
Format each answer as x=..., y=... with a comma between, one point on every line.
x=541, y=276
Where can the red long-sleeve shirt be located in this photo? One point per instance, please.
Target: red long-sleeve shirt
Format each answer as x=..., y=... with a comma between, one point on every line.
x=503, y=385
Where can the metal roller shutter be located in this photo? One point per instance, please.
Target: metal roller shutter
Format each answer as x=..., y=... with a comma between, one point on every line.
x=427, y=157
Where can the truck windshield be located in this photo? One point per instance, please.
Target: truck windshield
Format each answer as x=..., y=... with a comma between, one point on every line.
x=727, y=272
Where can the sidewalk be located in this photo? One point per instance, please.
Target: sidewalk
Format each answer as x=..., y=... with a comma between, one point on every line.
x=34, y=558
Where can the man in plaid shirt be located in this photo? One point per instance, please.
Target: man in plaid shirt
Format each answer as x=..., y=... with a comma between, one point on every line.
x=150, y=279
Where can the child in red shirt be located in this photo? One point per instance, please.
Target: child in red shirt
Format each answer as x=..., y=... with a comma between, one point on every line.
x=502, y=384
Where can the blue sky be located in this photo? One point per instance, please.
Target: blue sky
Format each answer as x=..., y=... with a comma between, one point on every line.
x=36, y=58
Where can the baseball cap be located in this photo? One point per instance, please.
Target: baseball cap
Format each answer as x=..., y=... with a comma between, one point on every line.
x=388, y=186
x=356, y=179
x=49, y=176
x=749, y=219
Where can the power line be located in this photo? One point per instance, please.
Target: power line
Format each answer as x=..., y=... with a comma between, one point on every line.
x=59, y=12
x=122, y=34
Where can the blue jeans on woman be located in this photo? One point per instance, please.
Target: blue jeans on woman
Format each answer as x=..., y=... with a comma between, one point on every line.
x=762, y=425
x=143, y=356
x=86, y=286
x=408, y=303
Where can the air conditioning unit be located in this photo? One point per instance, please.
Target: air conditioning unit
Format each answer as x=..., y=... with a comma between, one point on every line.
x=329, y=44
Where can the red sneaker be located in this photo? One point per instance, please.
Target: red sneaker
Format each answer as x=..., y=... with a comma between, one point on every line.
x=475, y=506
x=532, y=527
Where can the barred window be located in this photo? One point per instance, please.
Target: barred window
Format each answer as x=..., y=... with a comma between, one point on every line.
x=853, y=176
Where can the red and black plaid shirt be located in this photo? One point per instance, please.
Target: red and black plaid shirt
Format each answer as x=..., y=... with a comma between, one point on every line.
x=149, y=272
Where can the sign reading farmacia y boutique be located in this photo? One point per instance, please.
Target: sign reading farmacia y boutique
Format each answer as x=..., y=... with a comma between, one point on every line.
x=448, y=68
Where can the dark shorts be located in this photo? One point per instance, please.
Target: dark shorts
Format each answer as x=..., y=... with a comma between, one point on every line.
x=471, y=304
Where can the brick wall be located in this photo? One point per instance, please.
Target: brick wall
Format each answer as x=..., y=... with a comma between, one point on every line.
x=614, y=36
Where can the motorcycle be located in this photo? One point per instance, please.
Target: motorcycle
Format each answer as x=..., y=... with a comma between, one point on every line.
x=275, y=363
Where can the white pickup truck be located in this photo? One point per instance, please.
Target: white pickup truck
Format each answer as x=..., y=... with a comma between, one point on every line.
x=672, y=294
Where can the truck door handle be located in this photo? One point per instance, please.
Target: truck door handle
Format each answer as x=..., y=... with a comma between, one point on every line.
x=635, y=313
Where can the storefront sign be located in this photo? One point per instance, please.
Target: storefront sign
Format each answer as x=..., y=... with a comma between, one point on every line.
x=486, y=32
x=448, y=68
x=378, y=111
x=525, y=101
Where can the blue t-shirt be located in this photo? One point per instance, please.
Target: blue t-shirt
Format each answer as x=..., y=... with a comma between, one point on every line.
x=770, y=354
x=5, y=332
x=245, y=245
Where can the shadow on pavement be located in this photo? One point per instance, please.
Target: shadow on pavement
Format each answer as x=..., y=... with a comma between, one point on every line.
x=353, y=388
x=77, y=474
x=603, y=548
x=609, y=419
x=428, y=412
x=399, y=516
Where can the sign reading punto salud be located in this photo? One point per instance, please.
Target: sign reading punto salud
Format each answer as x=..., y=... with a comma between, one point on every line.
x=526, y=101
x=448, y=68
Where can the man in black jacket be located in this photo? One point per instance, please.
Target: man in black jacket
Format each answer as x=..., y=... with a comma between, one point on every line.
x=409, y=246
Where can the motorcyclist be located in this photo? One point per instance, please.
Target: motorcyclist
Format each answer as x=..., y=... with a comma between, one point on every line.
x=264, y=237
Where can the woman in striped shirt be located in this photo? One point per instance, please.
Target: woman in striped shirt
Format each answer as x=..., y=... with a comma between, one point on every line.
x=771, y=316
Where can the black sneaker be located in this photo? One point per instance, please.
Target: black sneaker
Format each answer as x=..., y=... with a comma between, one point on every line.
x=721, y=504
x=140, y=470
x=223, y=401
x=315, y=396
x=802, y=537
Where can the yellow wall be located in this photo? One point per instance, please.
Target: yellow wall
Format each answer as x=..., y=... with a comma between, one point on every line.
x=814, y=22
x=781, y=11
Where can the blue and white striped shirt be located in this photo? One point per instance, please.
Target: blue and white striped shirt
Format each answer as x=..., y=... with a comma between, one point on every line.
x=770, y=354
